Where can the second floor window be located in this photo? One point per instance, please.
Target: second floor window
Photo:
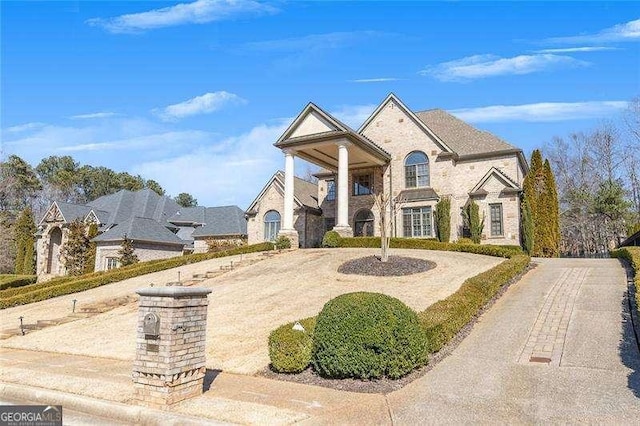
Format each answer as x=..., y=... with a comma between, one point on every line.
x=362, y=184
x=331, y=190
x=416, y=170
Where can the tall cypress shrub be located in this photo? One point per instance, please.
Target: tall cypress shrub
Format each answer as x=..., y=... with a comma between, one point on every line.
x=25, y=229
x=127, y=252
x=526, y=224
x=473, y=220
x=75, y=251
x=551, y=212
x=534, y=187
x=443, y=219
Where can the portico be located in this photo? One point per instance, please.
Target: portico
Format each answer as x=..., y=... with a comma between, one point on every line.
x=321, y=139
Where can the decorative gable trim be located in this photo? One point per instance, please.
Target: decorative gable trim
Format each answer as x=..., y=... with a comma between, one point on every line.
x=92, y=217
x=310, y=109
x=393, y=98
x=53, y=214
x=279, y=186
x=510, y=185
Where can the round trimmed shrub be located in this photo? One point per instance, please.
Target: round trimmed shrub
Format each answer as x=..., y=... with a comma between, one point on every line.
x=282, y=242
x=290, y=349
x=367, y=336
x=331, y=239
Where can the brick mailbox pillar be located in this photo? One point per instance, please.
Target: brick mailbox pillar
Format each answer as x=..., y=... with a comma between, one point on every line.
x=170, y=345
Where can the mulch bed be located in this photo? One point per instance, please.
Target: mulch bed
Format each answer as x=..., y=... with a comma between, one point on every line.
x=385, y=386
x=395, y=266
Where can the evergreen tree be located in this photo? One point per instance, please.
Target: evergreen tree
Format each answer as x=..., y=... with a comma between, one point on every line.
x=551, y=212
x=186, y=200
x=75, y=251
x=533, y=189
x=473, y=221
x=25, y=229
x=127, y=252
x=443, y=219
x=527, y=226
x=91, y=257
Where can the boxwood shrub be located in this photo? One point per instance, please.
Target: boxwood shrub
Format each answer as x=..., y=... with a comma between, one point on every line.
x=442, y=320
x=290, y=349
x=367, y=336
x=13, y=281
x=632, y=255
x=67, y=285
x=331, y=239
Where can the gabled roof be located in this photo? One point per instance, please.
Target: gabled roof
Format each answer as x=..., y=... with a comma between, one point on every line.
x=68, y=211
x=304, y=193
x=463, y=139
x=125, y=204
x=393, y=98
x=632, y=240
x=510, y=185
x=140, y=229
x=219, y=221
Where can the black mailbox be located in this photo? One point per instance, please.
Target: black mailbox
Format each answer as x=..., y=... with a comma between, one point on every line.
x=151, y=325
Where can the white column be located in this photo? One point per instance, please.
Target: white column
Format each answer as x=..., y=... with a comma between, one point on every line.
x=287, y=220
x=343, y=186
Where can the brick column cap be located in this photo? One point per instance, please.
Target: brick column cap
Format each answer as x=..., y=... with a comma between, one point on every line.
x=173, y=291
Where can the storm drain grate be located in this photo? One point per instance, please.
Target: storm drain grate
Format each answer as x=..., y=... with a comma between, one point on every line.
x=540, y=359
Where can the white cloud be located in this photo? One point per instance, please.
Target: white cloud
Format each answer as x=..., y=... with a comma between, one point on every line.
x=24, y=127
x=154, y=139
x=204, y=104
x=374, y=80
x=482, y=66
x=94, y=115
x=313, y=42
x=353, y=115
x=198, y=12
x=227, y=171
x=541, y=112
x=629, y=31
x=578, y=49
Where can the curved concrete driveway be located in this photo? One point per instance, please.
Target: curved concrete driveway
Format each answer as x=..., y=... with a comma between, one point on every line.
x=557, y=348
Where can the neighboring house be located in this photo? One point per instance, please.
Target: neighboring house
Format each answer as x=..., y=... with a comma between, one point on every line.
x=416, y=157
x=158, y=226
x=264, y=215
x=632, y=240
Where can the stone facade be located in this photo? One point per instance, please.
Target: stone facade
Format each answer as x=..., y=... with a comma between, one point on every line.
x=170, y=345
x=145, y=251
x=491, y=175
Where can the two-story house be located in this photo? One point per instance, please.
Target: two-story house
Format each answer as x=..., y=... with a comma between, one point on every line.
x=414, y=158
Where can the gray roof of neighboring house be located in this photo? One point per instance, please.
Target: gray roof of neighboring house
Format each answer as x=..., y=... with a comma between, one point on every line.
x=632, y=240
x=71, y=212
x=226, y=220
x=462, y=138
x=140, y=229
x=143, y=203
x=189, y=215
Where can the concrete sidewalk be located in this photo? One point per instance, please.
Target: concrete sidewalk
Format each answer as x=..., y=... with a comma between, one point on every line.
x=556, y=348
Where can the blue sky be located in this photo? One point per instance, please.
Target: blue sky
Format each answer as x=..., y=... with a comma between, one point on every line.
x=194, y=94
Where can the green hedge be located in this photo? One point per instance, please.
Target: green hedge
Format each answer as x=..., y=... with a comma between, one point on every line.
x=445, y=318
x=442, y=320
x=67, y=285
x=631, y=254
x=289, y=349
x=367, y=336
x=331, y=239
x=13, y=281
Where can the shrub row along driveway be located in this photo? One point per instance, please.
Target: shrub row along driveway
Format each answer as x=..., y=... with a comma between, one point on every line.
x=248, y=303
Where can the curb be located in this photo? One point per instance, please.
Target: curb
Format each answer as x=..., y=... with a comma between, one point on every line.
x=131, y=414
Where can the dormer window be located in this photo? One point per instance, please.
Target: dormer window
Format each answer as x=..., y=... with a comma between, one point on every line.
x=416, y=170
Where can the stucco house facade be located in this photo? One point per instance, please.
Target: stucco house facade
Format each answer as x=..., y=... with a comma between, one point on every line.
x=413, y=158
x=157, y=225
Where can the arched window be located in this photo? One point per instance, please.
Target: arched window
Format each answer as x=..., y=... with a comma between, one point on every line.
x=416, y=170
x=363, y=221
x=271, y=225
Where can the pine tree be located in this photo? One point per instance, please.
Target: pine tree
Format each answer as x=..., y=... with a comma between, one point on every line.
x=443, y=219
x=75, y=251
x=552, y=213
x=127, y=252
x=91, y=257
x=526, y=225
x=25, y=229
